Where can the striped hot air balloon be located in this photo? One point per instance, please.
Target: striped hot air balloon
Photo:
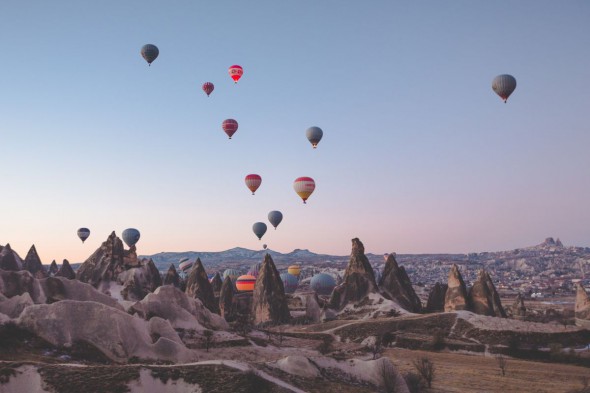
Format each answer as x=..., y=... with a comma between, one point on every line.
x=253, y=181
x=236, y=72
x=294, y=270
x=208, y=88
x=245, y=283
x=149, y=52
x=304, y=187
x=230, y=126
x=232, y=273
x=504, y=85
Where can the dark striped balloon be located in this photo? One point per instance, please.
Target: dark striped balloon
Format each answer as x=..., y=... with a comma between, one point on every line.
x=230, y=126
x=149, y=52
x=208, y=88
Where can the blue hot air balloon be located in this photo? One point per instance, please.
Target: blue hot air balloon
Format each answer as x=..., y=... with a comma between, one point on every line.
x=259, y=229
x=290, y=282
x=322, y=283
x=131, y=236
x=83, y=234
x=275, y=217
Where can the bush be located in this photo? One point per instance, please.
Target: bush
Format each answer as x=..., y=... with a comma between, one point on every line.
x=326, y=345
x=426, y=369
x=415, y=382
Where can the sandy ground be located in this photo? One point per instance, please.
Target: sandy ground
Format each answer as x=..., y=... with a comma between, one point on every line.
x=475, y=373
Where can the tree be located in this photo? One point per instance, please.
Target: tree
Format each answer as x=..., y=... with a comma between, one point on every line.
x=502, y=364
x=376, y=347
x=426, y=369
x=208, y=335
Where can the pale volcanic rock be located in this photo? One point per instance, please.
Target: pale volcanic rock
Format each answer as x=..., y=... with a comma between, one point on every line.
x=15, y=305
x=436, y=298
x=182, y=311
x=172, y=277
x=104, y=264
x=59, y=288
x=66, y=271
x=269, y=302
x=137, y=282
x=17, y=283
x=582, y=307
x=53, y=268
x=483, y=297
x=226, y=300
x=396, y=285
x=116, y=334
x=456, y=293
x=358, y=281
x=518, y=308
x=198, y=285
x=32, y=263
x=9, y=260
x=216, y=283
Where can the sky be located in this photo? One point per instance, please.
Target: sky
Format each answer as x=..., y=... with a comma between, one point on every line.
x=419, y=155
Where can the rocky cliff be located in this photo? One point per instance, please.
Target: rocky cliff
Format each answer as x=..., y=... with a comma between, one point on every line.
x=9, y=260
x=172, y=277
x=456, y=293
x=483, y=297
x=269, y=303
x=518, y=309
x=66, y=271
x=226, y=300
x=138, y=281
x=396, y=285
x=33, y=264
x=436, y=298
x=198, y=286
x=582, y=307
x=105, y=263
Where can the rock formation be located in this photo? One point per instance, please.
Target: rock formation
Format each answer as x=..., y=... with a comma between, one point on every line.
x=198, y=285
x=56, y=289
x=138, y=281
x=53, y=268
x=582, y=307
x=106, y=262
x=32, y=263
x=17, y=283
x=9, y=260
x=358, y=281
x=226, y=300
x=269, y=303
x=14, y=306
x=217, y=283
x=483, y=297
x=456, y=293
x=66, y=271
x=396, y=285
x=436, y=298
x=518, y=308
x=172, y=277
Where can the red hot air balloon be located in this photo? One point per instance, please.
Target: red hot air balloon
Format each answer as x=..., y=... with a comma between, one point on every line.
x=304, y=187
x=253, y=181
x=230, y=126
x=236, y=72
x=208, y=88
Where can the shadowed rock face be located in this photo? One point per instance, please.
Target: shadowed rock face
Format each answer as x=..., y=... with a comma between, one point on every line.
x=456, y=293
x=582, y=307
x=59, y=288
x=518, y=308
x=269, y=303
x=53, y=268
x=9, y=260
x=139, y=281
x=436, y=298
x=396, y=285
x=358, y=281
x=484, y=298
x=105, y=263
x=216, y=283
x=32, y=263
x=66, y=271
x=172, y=277
x=17, y=283
x=226, y=300
x=198, y=286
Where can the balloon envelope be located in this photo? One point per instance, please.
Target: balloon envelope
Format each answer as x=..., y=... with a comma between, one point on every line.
x=230, y=126
x=83, y=234
x=149, y=52
x=322, y=284
x=245, y=283
x=504, y=85
x=264, y=246
x=131, y=236
x=290, y=282
x=253, y=181
x=294, y=270
x=275, y=217
x=314, y=135
x=208, y=88
x=236, y=72
x=233, y=274
x=185, y=264
x=304, y=187
x=259, y=229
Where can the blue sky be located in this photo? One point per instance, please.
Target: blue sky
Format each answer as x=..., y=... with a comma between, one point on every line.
x=418, y=155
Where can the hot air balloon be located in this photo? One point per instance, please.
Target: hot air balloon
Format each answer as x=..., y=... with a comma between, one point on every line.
x=314, y=135
x=150, y=52
x=185, y=264
x=275, y=217
x=236, y=72
x=259, y=229
x=504, y=85
x=131, y=236
x=304, y=187
x=290, y=282
x=245, y=283
x=322, y=284
x=208, y=88
x=230, y=126
x=253, y=181
x=264, y=246
x=233, y=274
x=294, y=270
x=83, y=234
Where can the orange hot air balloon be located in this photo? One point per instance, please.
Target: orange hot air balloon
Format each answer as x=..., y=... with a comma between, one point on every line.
x=253, y=182
x=230, y=126
x=208, y=88
x=304, y=187
x=245, y=283
x=236, y=72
